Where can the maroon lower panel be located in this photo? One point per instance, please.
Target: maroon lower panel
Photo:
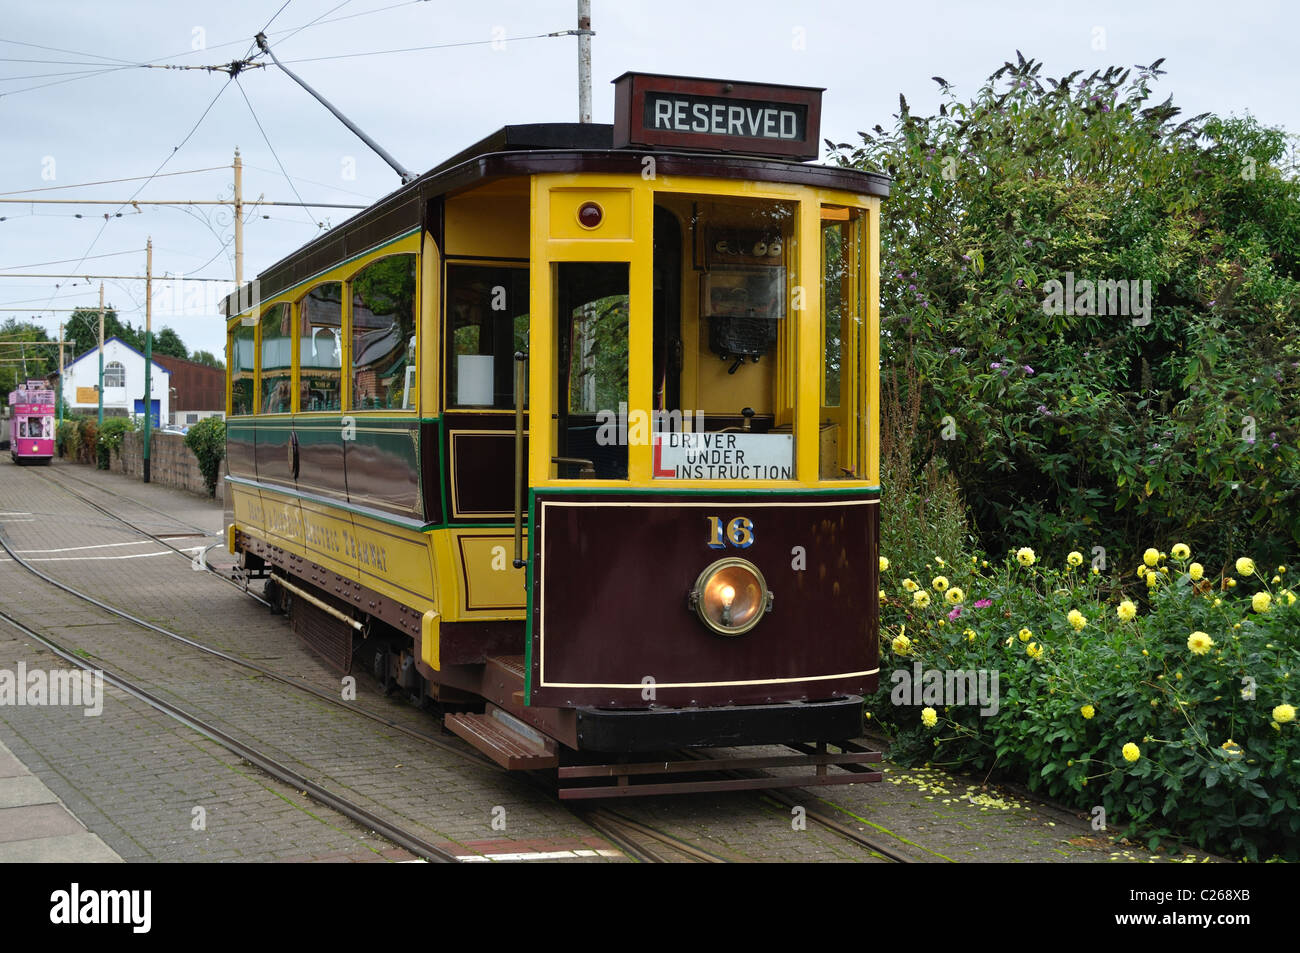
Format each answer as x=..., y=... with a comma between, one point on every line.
x=612, y=626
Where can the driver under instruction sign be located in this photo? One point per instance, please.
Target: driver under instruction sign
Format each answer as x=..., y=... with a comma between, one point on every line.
x=724, y=456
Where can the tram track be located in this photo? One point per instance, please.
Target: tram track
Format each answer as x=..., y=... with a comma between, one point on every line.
x=276, y=769
x=638, y=840
x=160, y=540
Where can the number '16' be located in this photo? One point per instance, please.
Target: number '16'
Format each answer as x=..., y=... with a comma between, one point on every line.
x=739, y=533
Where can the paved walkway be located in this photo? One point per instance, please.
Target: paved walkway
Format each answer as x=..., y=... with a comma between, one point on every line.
x=36, y=827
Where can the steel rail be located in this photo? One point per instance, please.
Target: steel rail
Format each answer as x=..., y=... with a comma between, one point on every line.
x=243, y=663
x=415, y=844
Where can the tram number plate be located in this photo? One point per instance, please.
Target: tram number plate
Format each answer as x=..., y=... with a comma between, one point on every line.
x=724, y=456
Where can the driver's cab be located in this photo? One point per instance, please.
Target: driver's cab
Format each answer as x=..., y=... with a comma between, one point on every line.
x=700, y=332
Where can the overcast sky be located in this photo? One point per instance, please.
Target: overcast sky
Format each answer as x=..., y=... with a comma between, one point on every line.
x=81, y=126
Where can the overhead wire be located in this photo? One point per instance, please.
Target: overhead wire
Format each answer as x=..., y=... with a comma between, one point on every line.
x=418, y=49
x=267, y=140
x=134, y=178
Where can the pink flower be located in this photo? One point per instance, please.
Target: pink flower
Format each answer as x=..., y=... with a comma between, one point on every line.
x=983, y=603
x=956, y=611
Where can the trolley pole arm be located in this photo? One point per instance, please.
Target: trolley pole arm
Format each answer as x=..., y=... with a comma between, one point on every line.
x=406, y=175
x=521, y=361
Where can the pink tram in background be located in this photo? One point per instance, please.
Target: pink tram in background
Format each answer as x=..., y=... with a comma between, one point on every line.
x=31, y=411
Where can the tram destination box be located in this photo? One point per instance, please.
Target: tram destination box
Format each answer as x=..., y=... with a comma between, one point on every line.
x=717, y=115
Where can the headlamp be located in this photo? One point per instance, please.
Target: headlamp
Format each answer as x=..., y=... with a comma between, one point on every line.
x=731, y=596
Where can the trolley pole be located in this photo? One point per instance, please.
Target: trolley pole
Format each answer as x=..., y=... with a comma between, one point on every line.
x=239, y=220
x=101, y=355
x=584, y=60
x=148, y=352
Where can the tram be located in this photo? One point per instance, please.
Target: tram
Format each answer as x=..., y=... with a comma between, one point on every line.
x=31, y=424
x=576, y=435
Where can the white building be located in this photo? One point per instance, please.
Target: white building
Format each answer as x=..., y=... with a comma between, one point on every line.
x=123, y=383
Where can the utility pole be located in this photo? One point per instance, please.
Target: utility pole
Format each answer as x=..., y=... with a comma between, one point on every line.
x=101, y=355
x=148, y=353
x=584, y=60
x=60, y=373
x=239, y=220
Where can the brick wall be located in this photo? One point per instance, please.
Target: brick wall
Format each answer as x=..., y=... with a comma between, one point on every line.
x=171, y=463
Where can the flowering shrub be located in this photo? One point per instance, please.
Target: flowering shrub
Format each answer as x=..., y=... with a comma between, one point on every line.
x=1175, y=710
x=1095, y=423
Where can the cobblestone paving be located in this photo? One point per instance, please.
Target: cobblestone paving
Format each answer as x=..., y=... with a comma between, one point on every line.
x=135, y=777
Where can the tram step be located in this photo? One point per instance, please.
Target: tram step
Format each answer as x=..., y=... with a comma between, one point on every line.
x=496, y=738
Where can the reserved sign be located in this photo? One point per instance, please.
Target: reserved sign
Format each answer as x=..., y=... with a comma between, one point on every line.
x=717, y=115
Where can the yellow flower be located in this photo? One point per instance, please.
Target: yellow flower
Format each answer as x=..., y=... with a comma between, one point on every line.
x=1151, y=557
x=1153, y=580
x=1276, y=579
x=1218, y=601
x=920, y=599
x=884, y=563
x=1025, y=555
x=1245, y=566
x=1232, y=584
x=1200, y=643
x=955, y=596
x=1281, y=570
x=1075, y=558
x=1180, y=551
x=970, y=635
x=1283, y=714
x=901, y=645
x=929, y=717
x=1132, y=752
x=883, y=597
x=910, y=586
x=1259, y=601
x=1025, y=635
x=1231, y=748
x=1126, y=611
x=1141, y=571
x=1077, y=619
x=939, y=560
x=940, y=583
x=1164, y=570
x=1034, y=650
x=1196, y=571
x=1087, y=711
x=1290, y=596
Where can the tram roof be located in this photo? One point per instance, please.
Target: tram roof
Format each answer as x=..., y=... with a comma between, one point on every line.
x=529, y=149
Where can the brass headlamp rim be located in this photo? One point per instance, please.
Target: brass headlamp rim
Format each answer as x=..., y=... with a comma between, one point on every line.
x=696, y=600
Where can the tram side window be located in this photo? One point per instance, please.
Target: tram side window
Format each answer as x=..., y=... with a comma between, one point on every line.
x=383, y=335
x=320, y=348
x=277, y=361
x=592, y=312
x=242, y=369
x=843, y=433
x=487, y=322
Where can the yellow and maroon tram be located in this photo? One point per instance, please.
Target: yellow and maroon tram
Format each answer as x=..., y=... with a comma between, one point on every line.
x=580, y=427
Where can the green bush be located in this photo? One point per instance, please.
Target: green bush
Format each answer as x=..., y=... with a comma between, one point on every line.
x=1083, y=428
x=67, y=438
x=109, y=441
x=921, y=506
x=85, y=448
x=207, y=439
x=1195, y=674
